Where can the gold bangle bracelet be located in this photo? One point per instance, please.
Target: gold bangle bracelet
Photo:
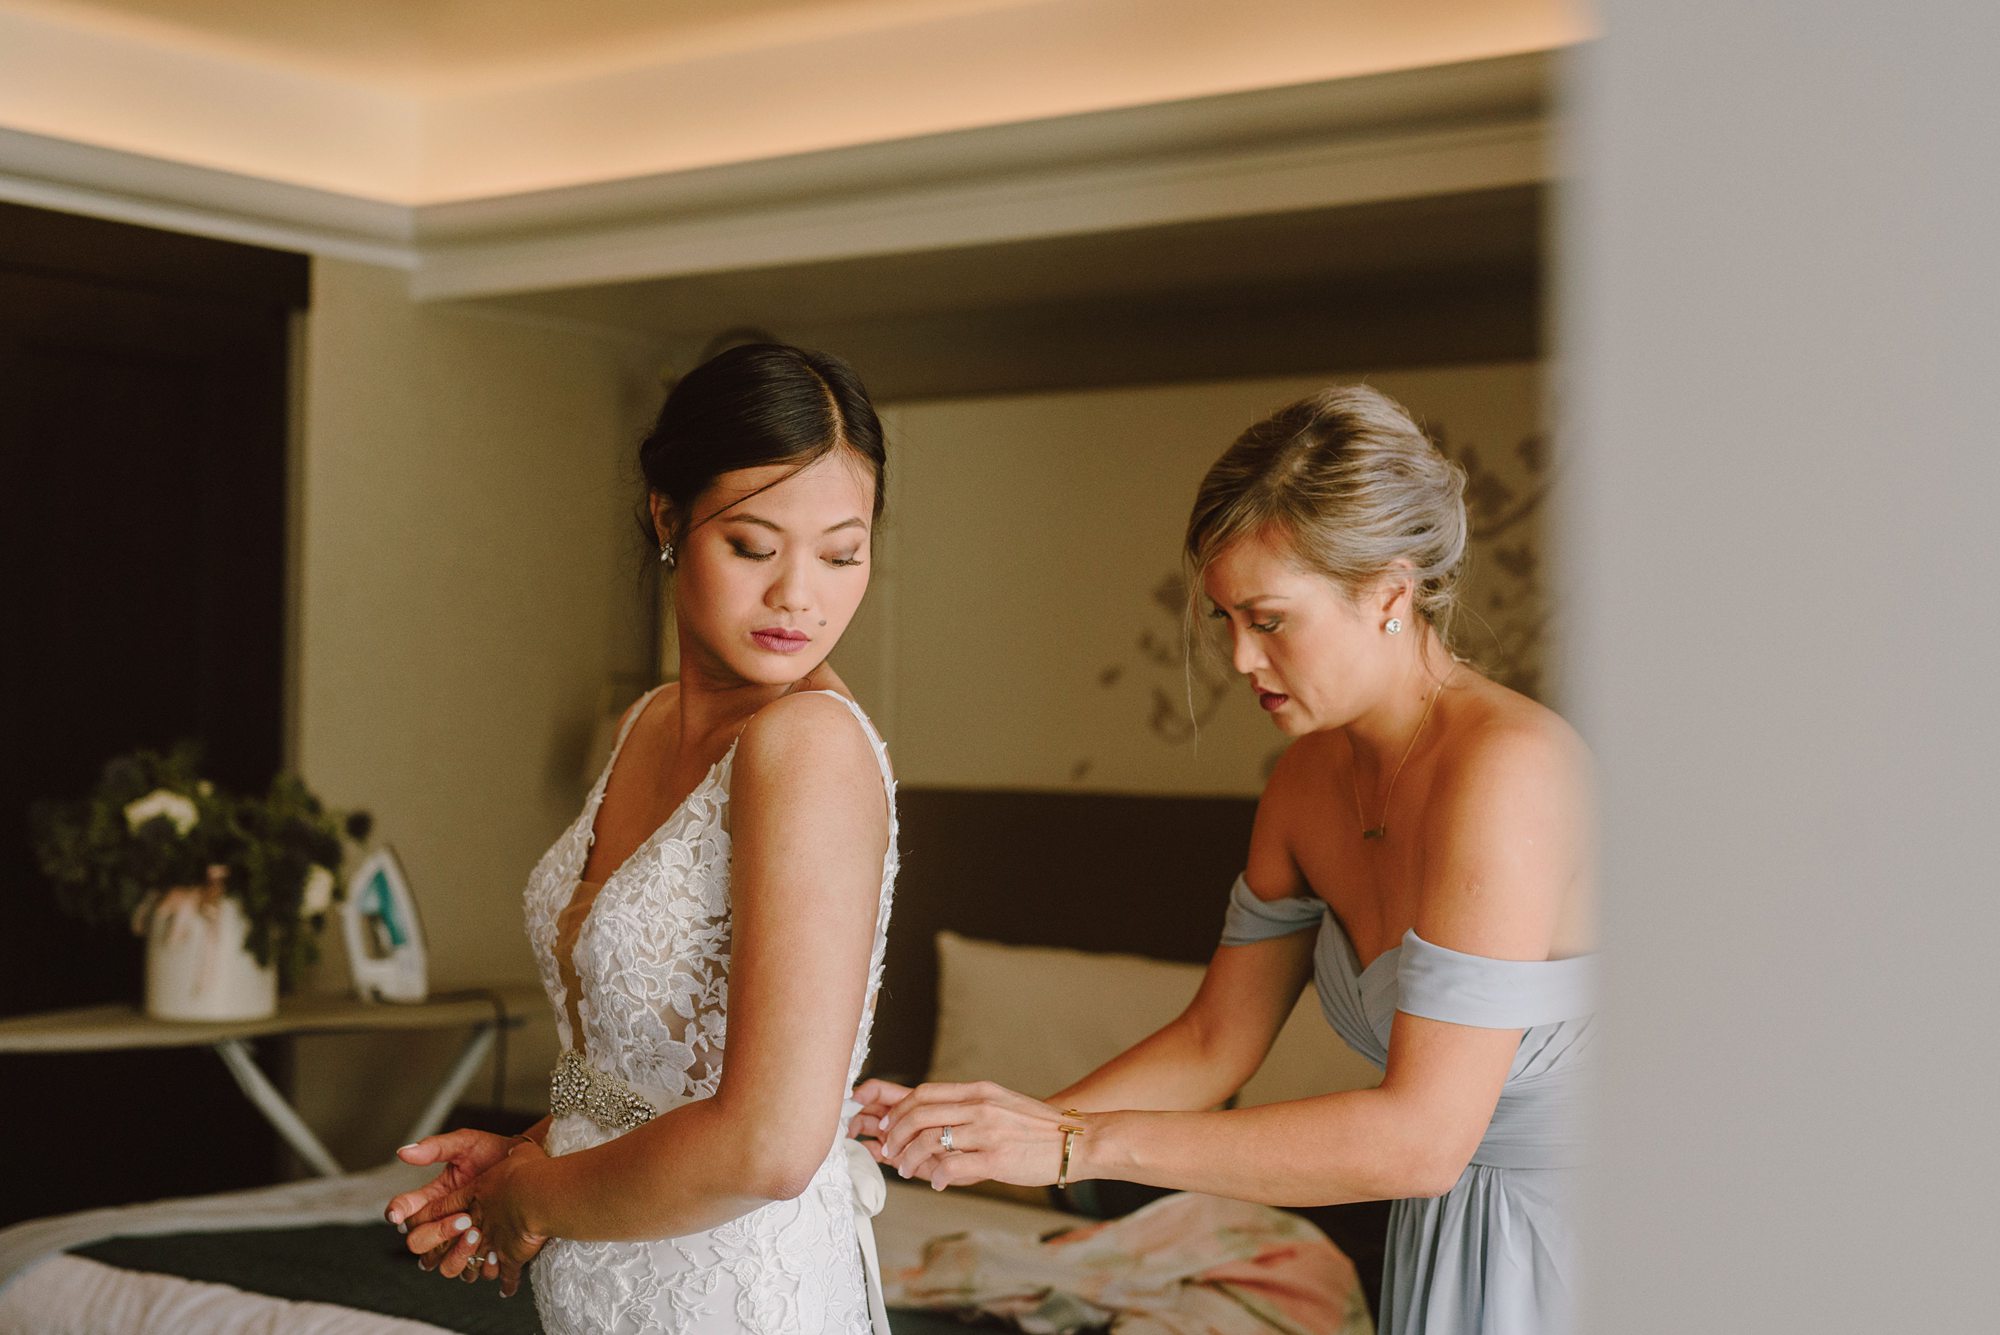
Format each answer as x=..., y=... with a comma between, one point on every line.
x=1070, y=1133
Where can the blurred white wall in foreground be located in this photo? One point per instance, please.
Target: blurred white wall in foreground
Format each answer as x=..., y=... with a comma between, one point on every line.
x=1782, y=320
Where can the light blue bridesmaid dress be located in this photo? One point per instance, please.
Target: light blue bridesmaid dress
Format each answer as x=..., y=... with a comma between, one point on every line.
x=1496, y=1255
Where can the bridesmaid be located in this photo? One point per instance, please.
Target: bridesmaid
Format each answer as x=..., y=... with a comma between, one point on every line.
x=1421, y=854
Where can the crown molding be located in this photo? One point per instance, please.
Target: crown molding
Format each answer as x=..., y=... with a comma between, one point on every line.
x=179, y=197
x=1437, y=130
x=1442, y=130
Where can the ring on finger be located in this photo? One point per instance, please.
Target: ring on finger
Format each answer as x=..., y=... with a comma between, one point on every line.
x=944, y=1138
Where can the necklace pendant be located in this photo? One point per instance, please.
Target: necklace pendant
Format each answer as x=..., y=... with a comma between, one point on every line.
x=1379, y=832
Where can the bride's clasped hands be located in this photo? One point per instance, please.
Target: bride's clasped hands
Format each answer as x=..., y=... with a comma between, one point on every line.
x=952, y=1135
x=465, y=1223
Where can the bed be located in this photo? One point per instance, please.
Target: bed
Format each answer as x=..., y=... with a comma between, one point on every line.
x=315, y=1258
x=1003, y=909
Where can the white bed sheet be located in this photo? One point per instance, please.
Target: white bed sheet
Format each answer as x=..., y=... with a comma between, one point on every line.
x=352, y=1198
x=43, y=1291
x=73, y=1295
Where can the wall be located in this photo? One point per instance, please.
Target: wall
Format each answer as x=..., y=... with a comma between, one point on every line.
x=1782, y=314
x=1024, y=627
x=469, y=582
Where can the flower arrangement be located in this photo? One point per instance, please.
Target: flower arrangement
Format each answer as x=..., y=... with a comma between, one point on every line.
x=153, y=827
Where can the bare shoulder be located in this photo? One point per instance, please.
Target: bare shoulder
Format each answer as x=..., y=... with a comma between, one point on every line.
x=1503, y=742
x=808, y=743
x=1290, y=797
x=664, y=696
x=1507, y=843
x=1300, y=766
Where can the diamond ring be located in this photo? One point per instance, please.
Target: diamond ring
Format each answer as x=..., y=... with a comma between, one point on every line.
x=944, y=1136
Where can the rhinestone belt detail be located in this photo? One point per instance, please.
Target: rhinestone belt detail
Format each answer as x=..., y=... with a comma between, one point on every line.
x=575, y=1086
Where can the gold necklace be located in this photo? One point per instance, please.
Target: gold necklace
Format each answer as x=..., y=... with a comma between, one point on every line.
x=1381, y=831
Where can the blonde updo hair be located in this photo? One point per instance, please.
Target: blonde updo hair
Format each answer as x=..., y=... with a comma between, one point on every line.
x=1352, y=485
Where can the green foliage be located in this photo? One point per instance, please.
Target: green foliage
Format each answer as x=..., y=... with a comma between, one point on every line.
x=104, y=865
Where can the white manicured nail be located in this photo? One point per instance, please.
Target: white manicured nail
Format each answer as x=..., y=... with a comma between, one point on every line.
x=460, y=1224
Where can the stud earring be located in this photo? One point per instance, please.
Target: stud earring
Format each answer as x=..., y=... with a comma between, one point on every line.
x=667, y=555
x=1395, y=626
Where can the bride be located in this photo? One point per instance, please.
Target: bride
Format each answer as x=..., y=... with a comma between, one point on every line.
x=710, y=930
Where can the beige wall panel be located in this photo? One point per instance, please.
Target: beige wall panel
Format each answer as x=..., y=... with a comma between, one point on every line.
x=1025, y=631
x=469, y=581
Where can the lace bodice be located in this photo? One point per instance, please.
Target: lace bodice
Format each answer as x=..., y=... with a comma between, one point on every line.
x=652, y=958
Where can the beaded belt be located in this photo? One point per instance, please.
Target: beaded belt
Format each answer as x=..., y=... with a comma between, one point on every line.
x=575, y=1086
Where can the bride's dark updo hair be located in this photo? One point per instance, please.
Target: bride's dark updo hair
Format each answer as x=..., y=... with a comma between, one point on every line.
x=754, y=405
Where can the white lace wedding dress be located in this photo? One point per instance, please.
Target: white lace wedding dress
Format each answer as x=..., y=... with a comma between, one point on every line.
x=652, y=956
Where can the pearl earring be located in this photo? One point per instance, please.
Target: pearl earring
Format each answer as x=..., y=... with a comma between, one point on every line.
x=1395, y=626
x=667, y=554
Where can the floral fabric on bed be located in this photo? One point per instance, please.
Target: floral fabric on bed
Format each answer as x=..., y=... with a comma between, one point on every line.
x=1185, y=1265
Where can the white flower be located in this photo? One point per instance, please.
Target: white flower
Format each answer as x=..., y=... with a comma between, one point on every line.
x=162, y=802
x=319, y=893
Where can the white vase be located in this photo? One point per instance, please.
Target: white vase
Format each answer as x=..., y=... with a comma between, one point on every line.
x=196, y=965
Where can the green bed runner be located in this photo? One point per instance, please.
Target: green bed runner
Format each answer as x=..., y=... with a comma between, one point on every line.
x=366, y=1266
x=351, y=1265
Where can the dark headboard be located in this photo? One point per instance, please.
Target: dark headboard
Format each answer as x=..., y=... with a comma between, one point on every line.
x=1138, y=875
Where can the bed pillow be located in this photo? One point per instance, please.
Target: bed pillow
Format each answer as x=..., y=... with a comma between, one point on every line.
x=1038, y=1018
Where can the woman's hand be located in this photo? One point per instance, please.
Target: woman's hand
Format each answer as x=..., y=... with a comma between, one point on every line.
x=996, y=1135
x=876, y=1098
x=479, y=1230
x=465, y=1154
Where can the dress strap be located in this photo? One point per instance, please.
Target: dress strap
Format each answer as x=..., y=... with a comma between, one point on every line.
x=1437, y=983
x=1251, y=919
x=875, y=741
x=631, y=720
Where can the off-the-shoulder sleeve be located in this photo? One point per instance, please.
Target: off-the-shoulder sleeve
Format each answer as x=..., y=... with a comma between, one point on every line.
x=1438, y=983
x=1253, y=919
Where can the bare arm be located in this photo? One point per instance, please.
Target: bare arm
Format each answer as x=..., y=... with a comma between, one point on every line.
x=1207, y=1053
x=809, y=831
x=1503, y=845
x=1203, y=1056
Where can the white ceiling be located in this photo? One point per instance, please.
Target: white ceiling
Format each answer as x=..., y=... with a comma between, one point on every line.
x=416, y=102
x=431, y=47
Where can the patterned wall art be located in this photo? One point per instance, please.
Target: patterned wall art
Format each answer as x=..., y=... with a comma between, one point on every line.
x=1505, y=620
x=1027, y=624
